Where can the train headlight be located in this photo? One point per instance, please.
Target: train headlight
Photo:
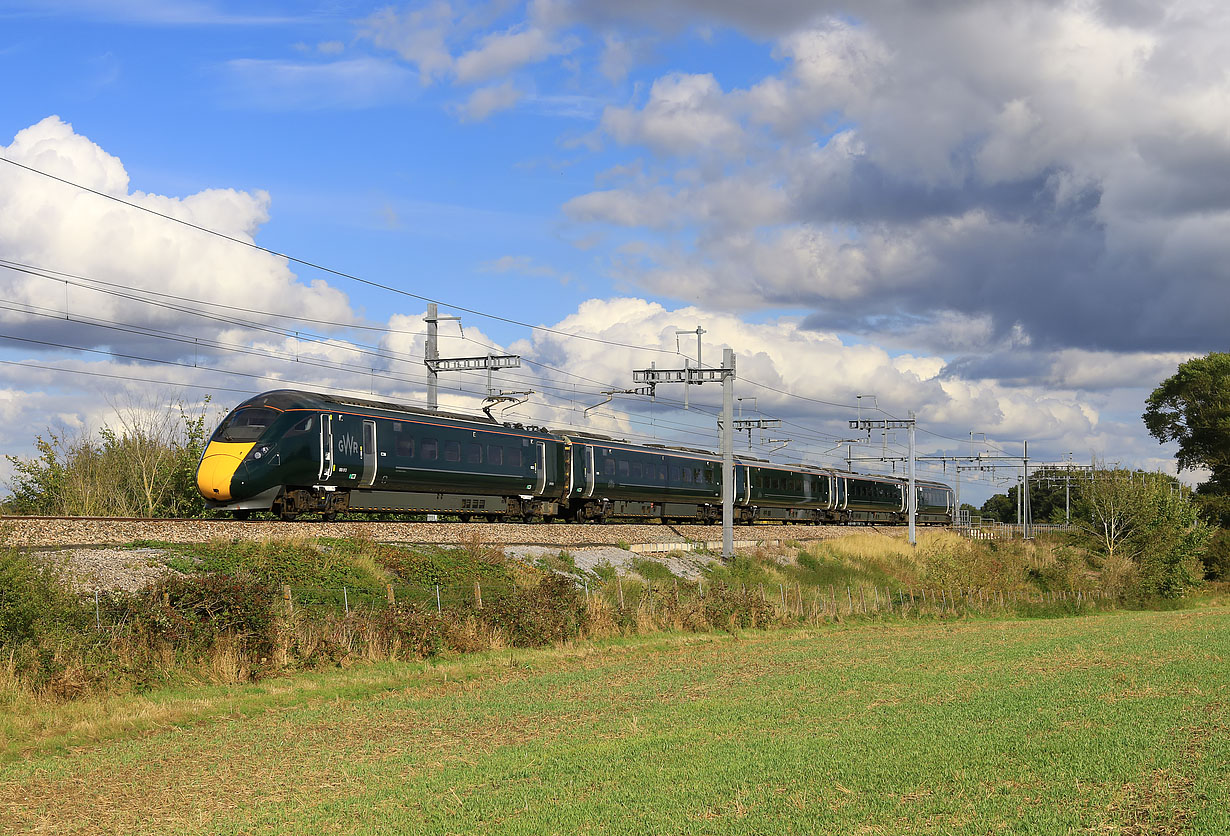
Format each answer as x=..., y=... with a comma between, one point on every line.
x=261, y=452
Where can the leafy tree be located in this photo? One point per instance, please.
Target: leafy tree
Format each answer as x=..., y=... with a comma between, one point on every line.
x=1001, y=507
x=1146, y=520
x=1192, y=408
x=144, y=467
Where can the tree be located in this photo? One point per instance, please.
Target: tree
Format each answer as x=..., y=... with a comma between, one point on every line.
x=1192, y=408
x=1001, y=507
x=146, y=467
x=1146, y=520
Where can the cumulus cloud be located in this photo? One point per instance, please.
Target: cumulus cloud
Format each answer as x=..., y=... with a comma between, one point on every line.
x=1021, y=166
x=50, y=225
x=684, y=114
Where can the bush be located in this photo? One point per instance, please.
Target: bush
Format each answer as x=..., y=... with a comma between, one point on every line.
x=33, y=602
x=1217, y=556
x=275, y=562
x=192, y=612
x=552, y=611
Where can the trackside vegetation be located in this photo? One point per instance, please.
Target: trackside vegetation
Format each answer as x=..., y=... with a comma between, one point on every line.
x=244, y=611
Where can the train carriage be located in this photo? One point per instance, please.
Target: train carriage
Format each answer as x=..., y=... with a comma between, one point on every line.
x=614, y=478
x=780, y=492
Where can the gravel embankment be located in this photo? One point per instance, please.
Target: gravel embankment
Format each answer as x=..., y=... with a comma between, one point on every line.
x=126, y=570
x=50, y=533
x=83, y=553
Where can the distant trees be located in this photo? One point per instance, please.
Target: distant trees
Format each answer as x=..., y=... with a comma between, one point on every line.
x=145, y=466
x=1192, y=408
x=1046, y=498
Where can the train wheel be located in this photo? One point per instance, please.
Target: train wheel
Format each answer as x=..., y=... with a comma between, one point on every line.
x=329, y=517
x=288, y=516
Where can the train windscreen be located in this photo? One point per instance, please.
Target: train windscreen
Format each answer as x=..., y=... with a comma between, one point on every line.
x=245, y=424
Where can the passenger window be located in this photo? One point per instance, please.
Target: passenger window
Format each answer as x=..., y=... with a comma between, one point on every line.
x=686, y=473
x=623, y=468
x=608, y=467
x=662, y=473
x=513, y=459
x=474, y=453
x=405, y=446
x=636, y=470
x=429, y=450
x=675, y=477
x=452, y=451
x=495, y=454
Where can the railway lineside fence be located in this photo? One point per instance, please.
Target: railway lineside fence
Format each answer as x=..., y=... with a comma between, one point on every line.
x=782, y=601
x=991, y=530
x=631, y=596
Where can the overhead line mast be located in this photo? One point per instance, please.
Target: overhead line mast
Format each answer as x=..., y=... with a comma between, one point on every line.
x=695, y=377
x=897, y=424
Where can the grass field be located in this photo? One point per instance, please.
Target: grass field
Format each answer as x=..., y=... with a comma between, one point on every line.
x=1110, y=723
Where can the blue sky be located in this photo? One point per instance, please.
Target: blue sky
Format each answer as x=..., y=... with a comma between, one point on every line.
x=1007, y=217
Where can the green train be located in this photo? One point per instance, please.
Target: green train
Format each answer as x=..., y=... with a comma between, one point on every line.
x=294, y=453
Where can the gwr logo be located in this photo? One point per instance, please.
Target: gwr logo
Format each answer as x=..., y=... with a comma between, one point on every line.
x=347, y=445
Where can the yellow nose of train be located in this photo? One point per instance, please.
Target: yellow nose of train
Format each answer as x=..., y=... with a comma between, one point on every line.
x=218, y=466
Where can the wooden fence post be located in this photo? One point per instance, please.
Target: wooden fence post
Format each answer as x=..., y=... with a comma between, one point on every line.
x=290, y=606
x=388, y=590
x=478, y=595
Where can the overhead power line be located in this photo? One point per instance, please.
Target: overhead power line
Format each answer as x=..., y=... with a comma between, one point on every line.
x=374, y=284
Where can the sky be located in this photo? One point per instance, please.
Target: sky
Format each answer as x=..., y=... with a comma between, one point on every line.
x=1010, y=218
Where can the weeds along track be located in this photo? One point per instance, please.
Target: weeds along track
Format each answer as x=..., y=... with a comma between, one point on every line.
x=54, y=532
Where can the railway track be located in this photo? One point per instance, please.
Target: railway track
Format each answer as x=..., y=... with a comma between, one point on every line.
x=54, y=532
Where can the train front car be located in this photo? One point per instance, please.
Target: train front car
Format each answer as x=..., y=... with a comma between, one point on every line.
x=249, y=457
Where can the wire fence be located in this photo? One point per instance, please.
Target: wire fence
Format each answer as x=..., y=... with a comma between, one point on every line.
x=782, y=600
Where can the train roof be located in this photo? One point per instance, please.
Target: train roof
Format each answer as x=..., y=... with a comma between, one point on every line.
x=297, y=399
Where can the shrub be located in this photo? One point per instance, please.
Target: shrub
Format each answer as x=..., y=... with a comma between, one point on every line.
x=1217, y=556
x=652, y=570
x=33, y=602
x=551, y=611
x=191, y=612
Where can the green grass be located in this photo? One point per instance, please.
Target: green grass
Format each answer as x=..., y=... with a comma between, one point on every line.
x=1111, y=723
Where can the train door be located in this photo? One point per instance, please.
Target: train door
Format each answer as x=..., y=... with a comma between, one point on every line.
x=347, y=450
x=326, y=448
x=842, y=494
x=590, y=473
x=370, y=460
x=540, y=467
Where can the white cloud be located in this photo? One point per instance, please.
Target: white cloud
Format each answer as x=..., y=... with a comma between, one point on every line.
x=500, y=53
x=685, y=114
x=419, y=36
x=961, y=162
x=53, y=226
x=488, y=100
x=287, y=85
